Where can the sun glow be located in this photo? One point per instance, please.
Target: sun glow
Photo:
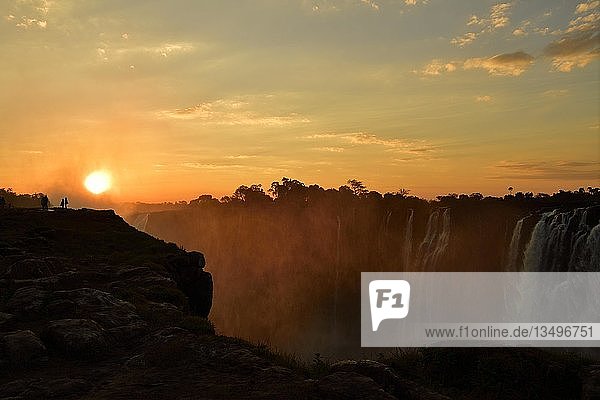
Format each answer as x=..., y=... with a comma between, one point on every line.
x=97, y=182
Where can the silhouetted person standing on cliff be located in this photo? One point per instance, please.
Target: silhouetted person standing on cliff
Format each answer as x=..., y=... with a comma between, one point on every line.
x=62, y=203
x=66, y=202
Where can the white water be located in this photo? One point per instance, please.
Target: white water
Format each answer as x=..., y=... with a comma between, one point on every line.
x=408, y=239
x=513, y=252
x=140, y=222
x=564, y=241
x=436, y=240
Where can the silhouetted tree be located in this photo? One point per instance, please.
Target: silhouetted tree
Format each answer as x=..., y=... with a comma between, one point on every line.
x=357, y=187
x=253, y=194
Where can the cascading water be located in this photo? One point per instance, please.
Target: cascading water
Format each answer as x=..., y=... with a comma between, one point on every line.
x=565, y=241
x=436, y=240
x=408, y=233
x=513, y=252
x=140, y=222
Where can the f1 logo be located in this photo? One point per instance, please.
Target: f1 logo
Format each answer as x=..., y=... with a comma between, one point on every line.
x=389, y=299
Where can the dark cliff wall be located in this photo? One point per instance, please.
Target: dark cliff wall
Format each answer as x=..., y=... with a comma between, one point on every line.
x=287, y=271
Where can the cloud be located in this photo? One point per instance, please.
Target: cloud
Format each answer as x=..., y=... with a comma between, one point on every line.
x=231, y=113
x=556, y=92
x=27, y=23
x=508, y=64
x=355, y=139
x=331, y=149
x=520, y=32
x=321, y=6
x=163, y=50
x=534, y=169
x=483, y=99
x=574, y=50
x=232, y=167
x=465, y=39
x=585, y=7
x=33, y=13
x=499, y=15
x=240, y=157
x=371, y=4
x=497, y=18
x=437, y=67
x=586, y=18
x=33, y=152
x=579, y=44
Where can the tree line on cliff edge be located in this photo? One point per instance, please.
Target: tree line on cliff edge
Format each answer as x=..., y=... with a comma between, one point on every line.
x=290, y=191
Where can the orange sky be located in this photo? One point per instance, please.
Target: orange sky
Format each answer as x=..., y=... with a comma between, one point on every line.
x=176, y=99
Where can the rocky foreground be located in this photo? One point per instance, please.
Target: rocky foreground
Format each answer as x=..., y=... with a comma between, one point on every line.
x=91, y=308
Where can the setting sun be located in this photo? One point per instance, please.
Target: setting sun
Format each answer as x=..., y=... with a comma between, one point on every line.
x=98, y=182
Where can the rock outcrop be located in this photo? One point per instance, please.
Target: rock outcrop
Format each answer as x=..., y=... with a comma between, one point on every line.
x=90, y=308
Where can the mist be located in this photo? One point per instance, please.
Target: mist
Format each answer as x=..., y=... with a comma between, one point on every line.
x=287, y=271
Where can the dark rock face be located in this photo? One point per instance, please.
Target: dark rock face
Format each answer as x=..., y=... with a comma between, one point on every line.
x=591, y=383
x=193, y=281
x=22, y=348
x=76, y=323
x=387, y=379
x=350, y=385
x=79, y=338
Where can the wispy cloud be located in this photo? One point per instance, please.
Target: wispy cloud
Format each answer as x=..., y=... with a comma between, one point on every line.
x=233, y=167
x=497, y=18
x=331, y=149
x=534, y=169
x=33, y=13
x=371, y=4
x=556, y=92
x=580, y=42
x=508, y=64
x=32, y=152
x=231, y=112
x=585, y=7
x=241, y=157
x=107, y=51
x=437, y=67
x=575, y=50
x=463, y=40
x=342, y=141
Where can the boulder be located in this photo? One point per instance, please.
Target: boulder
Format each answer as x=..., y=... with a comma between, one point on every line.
x=23, y=348
x=37, y=388
x=591, y=383
x=6, y=320
x=387, y=379
x=78, y=338
x=197, y=284
x=29, y=268
x=95, y=304
x=350, y=385
x=26, y=302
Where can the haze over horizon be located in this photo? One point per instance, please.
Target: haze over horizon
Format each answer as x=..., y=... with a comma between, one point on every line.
x=176, y=99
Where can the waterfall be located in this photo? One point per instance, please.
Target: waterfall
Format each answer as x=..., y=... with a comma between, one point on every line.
x=513, y=252
x=437, y=237
x=140, y=222
x=337, y=276
x=408, y=238
x=386, y=228
x=564, y=241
